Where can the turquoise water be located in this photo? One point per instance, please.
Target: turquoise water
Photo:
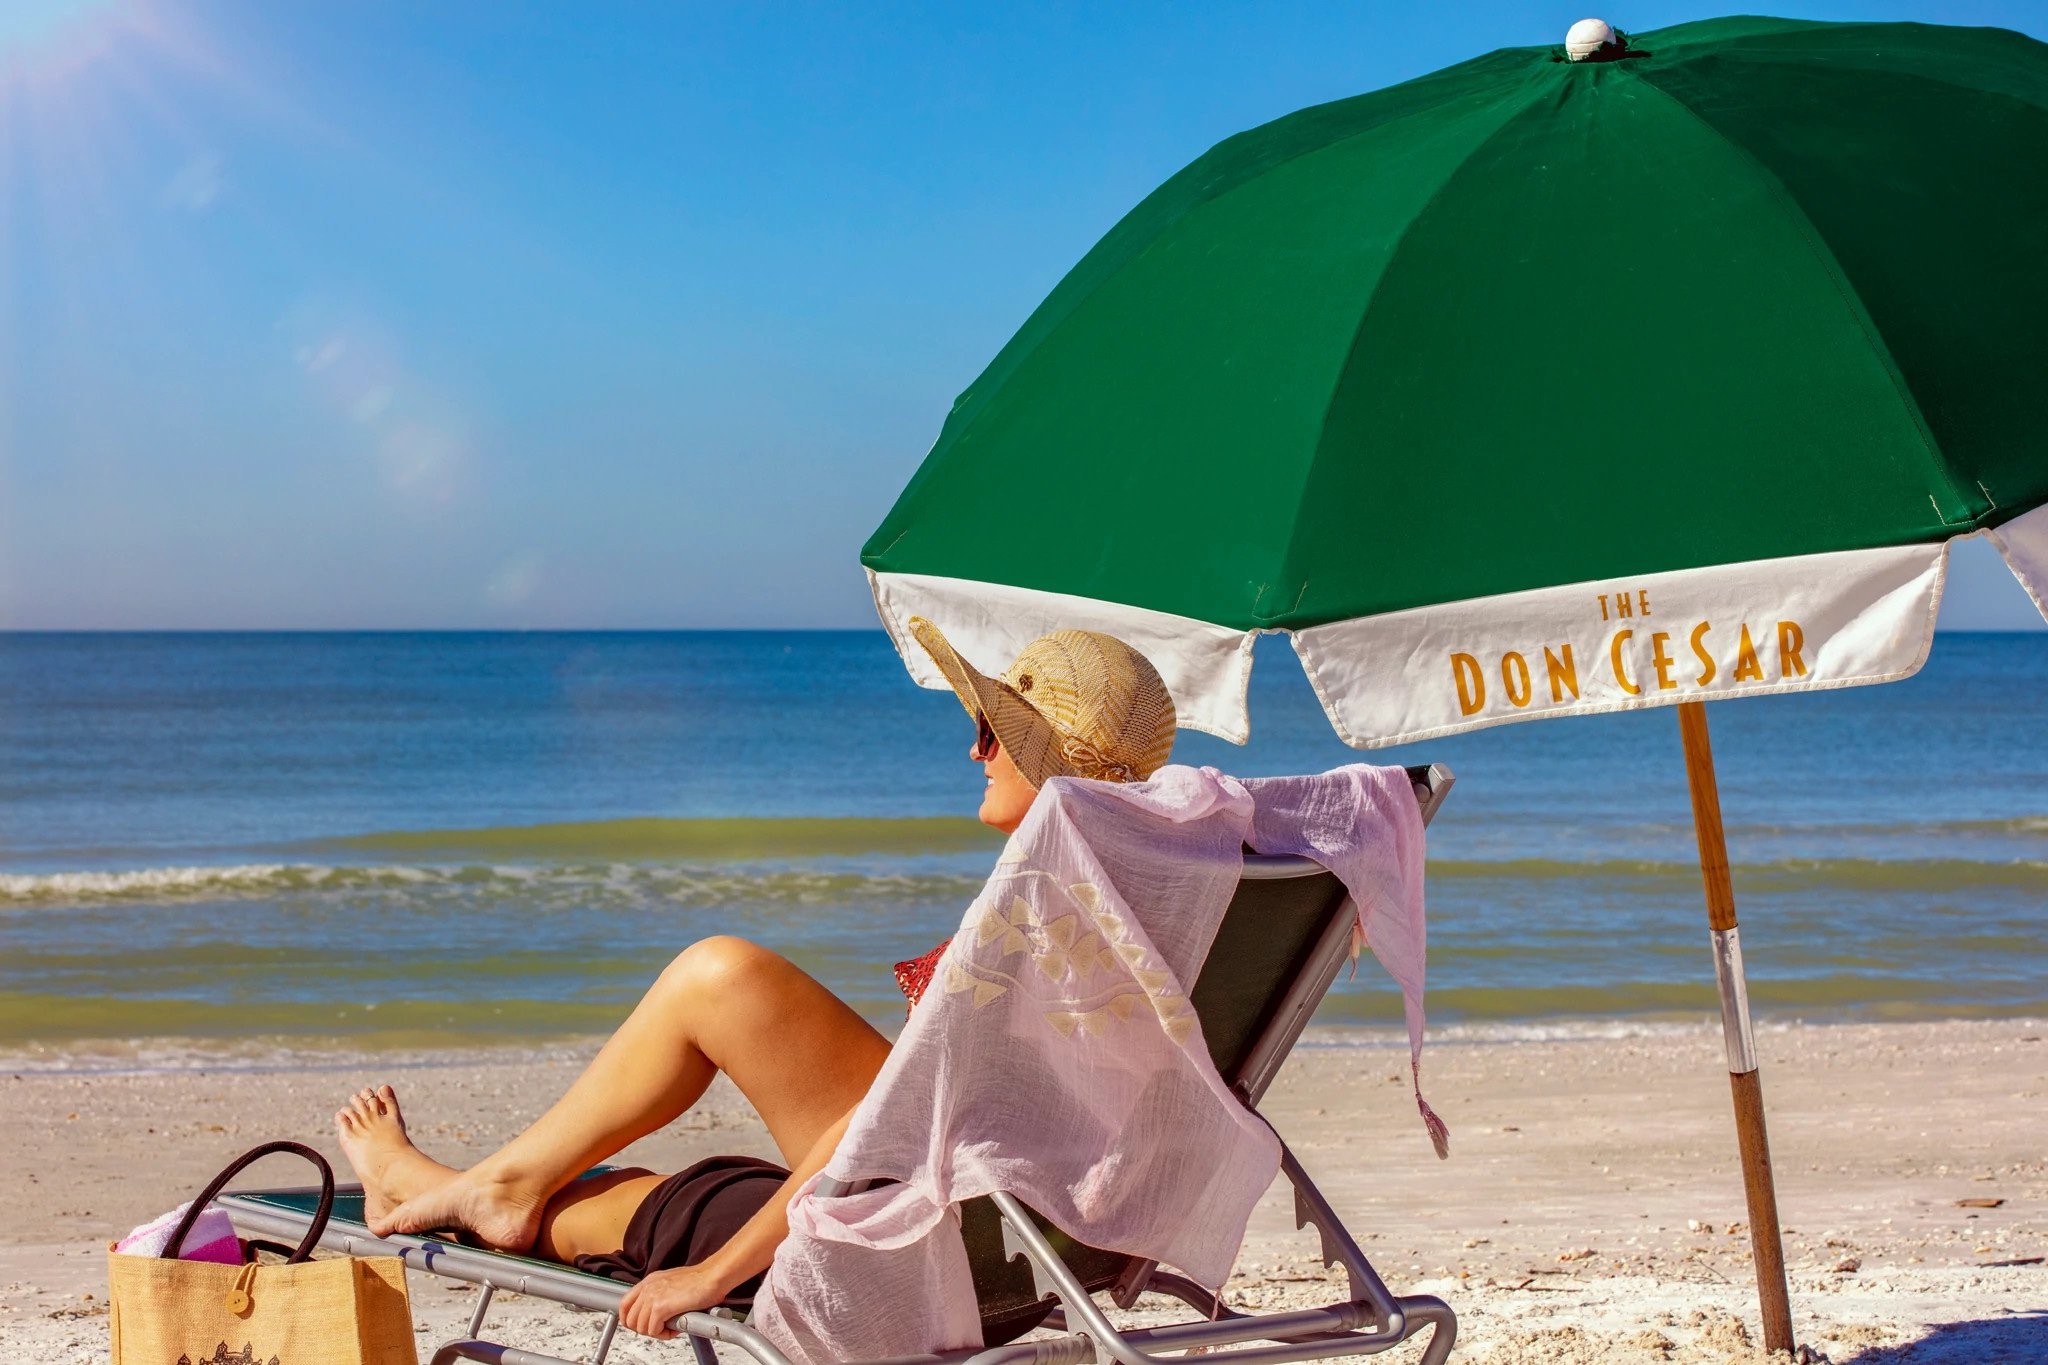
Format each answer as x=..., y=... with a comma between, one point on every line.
x=423, y=837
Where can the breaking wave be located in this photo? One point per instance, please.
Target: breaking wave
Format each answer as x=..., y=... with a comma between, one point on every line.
x=737, y=839
x=562, y=883
x=642, y=881
x=1791, y=874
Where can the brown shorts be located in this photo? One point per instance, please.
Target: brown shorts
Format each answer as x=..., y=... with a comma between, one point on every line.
x=690, y=1215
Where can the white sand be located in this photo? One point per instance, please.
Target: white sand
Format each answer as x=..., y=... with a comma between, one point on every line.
x=1585, y=1216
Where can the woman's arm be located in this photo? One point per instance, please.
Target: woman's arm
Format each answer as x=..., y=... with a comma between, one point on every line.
x=651, y=1304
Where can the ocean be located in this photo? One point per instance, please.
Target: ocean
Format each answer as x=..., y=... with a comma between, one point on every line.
x=425, y=839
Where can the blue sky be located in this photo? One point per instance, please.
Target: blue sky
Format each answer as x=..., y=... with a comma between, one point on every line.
x=400, y=315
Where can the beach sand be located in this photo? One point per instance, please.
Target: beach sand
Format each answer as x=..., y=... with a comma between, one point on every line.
x=1591, y=1210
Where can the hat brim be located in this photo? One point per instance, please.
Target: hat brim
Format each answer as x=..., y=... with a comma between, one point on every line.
x=1025, y=734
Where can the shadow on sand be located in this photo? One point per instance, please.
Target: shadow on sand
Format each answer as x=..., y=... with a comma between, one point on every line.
x=2022, y=1336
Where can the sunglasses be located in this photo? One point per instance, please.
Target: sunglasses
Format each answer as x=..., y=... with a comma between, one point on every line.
x=985, y=743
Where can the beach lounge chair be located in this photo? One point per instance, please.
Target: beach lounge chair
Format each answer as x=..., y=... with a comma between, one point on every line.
x=1283, y=941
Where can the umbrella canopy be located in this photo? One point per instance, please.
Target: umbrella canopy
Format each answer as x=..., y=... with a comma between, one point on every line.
x=1536, y=387
x=1531, y=387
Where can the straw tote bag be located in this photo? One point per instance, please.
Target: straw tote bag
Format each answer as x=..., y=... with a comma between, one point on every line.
x=343, y=1311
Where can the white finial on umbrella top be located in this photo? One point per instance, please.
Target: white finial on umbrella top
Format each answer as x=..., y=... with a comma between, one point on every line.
x=1587, y=37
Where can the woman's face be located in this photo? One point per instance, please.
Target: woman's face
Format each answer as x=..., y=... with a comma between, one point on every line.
x=1008, y=796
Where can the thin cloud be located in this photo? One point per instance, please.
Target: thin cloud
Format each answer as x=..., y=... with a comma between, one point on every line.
x=197, y=184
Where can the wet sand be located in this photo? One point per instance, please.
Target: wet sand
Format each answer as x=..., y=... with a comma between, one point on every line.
x=1591, y=1210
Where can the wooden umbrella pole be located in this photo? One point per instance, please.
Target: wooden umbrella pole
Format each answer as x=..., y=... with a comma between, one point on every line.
x=1764, y=1237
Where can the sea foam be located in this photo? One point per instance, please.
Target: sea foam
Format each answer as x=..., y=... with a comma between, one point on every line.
x=593, y=884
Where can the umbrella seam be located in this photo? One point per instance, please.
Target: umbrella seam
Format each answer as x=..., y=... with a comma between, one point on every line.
x=2003, y=545
x=1206, y=199
x=1776, y=58
x=1315, y=685
x=1529, y=95
x=1801, y=224
x=1200, y=203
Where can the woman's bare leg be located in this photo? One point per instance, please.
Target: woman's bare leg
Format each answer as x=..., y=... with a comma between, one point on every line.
x=585, y=1218
x=589, y=1217
x=799, y=1054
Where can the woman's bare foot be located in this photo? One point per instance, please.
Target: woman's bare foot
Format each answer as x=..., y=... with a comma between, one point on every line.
x=374, y=1139
x=501, y=1213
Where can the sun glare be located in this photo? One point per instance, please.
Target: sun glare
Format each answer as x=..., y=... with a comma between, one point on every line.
x=106, y=103
x=42, y=39
x=108, y=110
x=115, y=113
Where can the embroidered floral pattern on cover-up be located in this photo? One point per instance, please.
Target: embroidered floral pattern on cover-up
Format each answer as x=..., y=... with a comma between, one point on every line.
x=1104, y=975
x=1059, y=1058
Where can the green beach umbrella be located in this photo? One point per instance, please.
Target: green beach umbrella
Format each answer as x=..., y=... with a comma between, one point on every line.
x=1538, y=386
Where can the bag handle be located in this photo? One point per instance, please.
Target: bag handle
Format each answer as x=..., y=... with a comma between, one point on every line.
x=233, y=1169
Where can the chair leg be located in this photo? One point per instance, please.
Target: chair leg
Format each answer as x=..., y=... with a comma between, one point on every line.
x=1421, y=1308
x=722, y=1325
x=485, y=1293
x=1338, y=1248
x=1130, y=1286
x=1396, y=1319
x=1051, y=1275
x=1189, y=1293
x=491, y=1353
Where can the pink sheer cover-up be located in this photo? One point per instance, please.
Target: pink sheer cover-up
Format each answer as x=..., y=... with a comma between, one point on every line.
x=1056, y=1055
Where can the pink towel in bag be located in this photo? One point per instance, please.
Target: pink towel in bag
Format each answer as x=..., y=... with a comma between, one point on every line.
x=212, y=1237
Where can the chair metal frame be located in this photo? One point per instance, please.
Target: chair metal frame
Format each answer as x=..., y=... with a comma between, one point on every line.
x=1372, y=1320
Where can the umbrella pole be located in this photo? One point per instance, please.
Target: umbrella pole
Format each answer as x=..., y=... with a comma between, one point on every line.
x=1764, y=1237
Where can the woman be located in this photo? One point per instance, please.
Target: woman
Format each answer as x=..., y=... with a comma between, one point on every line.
x=1075, y=703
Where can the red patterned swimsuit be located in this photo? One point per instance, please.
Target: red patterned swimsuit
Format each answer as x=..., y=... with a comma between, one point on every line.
x=913, y=976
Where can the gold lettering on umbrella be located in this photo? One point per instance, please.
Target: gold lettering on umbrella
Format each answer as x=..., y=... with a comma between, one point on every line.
x=1563, y=672
x=1707, y=668
x=1471, y=683
x=1791, y=639
x=1622, y=637
x=1672, y=673
x=1514, y=675
x=1747, y=669
x=1661, y=662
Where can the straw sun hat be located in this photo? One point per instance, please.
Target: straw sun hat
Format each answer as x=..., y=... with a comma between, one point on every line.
x=1076, y=703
